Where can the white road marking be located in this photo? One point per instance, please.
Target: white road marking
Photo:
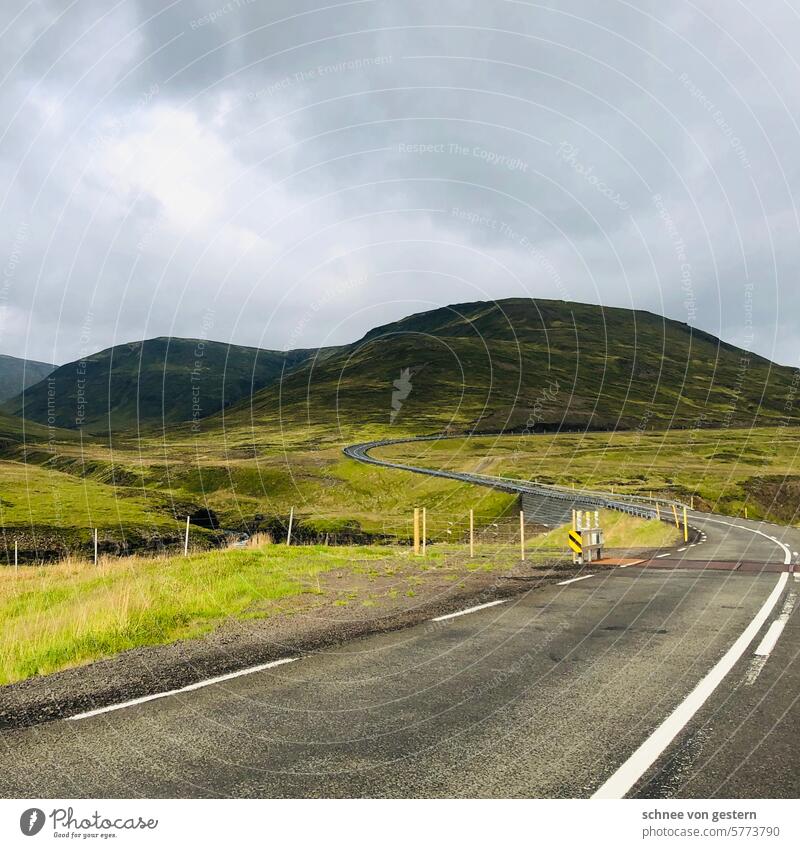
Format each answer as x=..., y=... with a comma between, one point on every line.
x=624, y=778
x=771, y=637
x=661, y=556
x=681, y=550
x=190, y=688
x=776, y=628
x=467, y=611
x=796, y=577
x=574, y=580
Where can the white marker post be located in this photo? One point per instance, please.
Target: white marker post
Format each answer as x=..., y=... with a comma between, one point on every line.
x=186, y=538
x=471, y=534
x=522, y=535
x=289, y=531
x=16, y=556
x=95, y=546
x=424, y=530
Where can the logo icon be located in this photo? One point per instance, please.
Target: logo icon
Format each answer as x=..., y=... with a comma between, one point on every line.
x=31, y=821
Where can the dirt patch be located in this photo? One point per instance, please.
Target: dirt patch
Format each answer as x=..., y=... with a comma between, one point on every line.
x=342, y=605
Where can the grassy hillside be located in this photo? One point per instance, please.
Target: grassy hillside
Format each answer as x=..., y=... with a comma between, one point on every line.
x=17, y=374
x=158, y=381
x=539, y=364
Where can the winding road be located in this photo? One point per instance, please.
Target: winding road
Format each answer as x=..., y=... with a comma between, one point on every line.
x=678, y=676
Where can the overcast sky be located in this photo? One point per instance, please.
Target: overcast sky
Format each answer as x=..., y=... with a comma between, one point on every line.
x=283, y=173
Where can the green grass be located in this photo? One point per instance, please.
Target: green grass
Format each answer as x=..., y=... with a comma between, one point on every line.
x=67, y=614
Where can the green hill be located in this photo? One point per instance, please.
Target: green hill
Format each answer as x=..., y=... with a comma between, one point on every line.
x=17, y=374
x=162, y=380
x=535, y=364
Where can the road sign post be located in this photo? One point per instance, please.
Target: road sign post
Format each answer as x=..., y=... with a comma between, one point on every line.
x=585, y=541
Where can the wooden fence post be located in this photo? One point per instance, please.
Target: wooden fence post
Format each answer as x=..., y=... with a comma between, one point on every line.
x=471, y=534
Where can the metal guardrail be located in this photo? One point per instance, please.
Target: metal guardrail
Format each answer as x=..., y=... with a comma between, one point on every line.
x=629, y=504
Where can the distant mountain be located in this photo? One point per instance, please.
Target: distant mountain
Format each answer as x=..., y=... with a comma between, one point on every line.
x=530, y=363
x=162, y=380
x=17, y=374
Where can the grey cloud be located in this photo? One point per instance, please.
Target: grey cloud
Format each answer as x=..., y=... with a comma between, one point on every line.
x=261, y=167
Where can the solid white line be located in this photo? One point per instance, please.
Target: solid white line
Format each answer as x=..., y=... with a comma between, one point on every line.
x=625, y=777
x=574, y=580
x=467, y=611
x=189, y=688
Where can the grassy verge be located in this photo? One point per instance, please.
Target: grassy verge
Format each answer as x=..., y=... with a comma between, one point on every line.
x=71, y=613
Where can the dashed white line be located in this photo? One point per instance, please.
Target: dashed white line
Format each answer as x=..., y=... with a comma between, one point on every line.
x=467, y=611
x=189, y=688
x=574, y=580
x=661, y=556
x=765, y=646
x=681, y=550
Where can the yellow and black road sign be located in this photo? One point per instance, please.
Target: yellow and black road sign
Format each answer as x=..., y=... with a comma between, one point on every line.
x=575, y=541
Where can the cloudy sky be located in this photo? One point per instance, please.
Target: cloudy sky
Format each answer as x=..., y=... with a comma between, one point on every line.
x=284, y=173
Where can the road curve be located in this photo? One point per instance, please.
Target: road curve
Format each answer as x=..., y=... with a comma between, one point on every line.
x=676, y=678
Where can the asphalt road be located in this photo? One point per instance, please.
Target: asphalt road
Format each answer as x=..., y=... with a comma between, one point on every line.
x=565, y=691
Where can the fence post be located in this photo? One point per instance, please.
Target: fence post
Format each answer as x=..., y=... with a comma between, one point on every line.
x=289, y=531
x=675, y=514
x=658, y=511
x=471, y=534
x=685, y=527
x=95, y=546
x=186, y=538
x=522, y=534
x=416, y=530
x=424, y=531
